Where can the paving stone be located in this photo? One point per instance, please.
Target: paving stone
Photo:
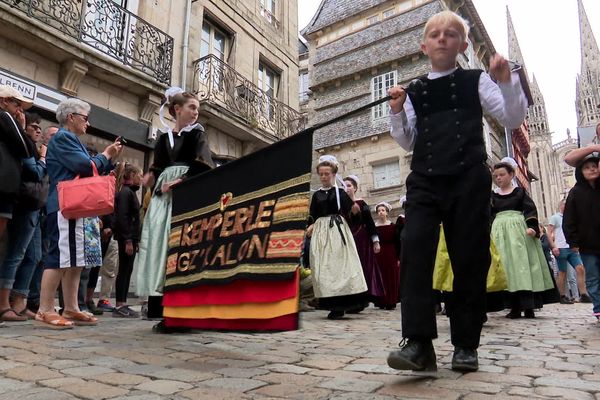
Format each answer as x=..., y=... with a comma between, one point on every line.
x=351, y=385
x=63, y=364
x=116, y=378
x=94, y=390
x=32, y=373
x=372, y=368
x=498, y=378
x=358, y=396
x=292, y=379
x=110, y=362
x=58, y=382
x=537, y=372
x=467, y=385
x=482, y=396
x=578, y=384
x=212, y=394
x=293, y=392
x=10, y=385
x=568, y=366
x=144, y=396
x=237, y=384
x=36, y=394
x=6, y=365
x=87, y=372
x=287, y=368
x=163, y=387
x=562, y=393
x=418, y=389
x=520, y=363
x=322, y=363
x=241, y=372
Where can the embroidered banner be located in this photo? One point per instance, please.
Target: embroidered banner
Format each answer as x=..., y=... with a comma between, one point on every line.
x=243, y=220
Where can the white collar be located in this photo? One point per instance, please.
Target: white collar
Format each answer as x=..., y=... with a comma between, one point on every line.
x=186, y=129
x=435, y=75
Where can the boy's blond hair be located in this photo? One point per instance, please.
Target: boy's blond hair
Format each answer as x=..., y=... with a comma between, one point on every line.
x=448, y=18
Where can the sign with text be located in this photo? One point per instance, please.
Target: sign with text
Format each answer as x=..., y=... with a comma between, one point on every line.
x=243, y=220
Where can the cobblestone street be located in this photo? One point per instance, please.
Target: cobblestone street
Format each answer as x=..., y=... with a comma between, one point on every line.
x=557, y=355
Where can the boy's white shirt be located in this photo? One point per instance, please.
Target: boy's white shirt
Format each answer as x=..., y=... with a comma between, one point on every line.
x=504, y=101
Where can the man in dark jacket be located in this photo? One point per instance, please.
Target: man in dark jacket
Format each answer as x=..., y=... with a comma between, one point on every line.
x=581, y=224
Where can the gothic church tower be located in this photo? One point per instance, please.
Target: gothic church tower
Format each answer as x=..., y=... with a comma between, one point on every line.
x=588, y=80
x=542, y=158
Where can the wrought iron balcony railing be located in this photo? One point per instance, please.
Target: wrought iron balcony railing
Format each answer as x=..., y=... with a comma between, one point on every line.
x=109, y=28
x=218, y=83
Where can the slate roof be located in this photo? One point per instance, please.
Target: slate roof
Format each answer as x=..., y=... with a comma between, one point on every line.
x=332, y=11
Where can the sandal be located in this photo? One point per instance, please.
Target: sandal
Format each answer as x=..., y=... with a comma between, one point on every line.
x=80, y=318
x=27, y=313
x=16, y=318
x=51, y=321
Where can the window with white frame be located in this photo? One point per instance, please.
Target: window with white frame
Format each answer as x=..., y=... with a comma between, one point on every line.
x=379, y=87
x=386, y=174
x=388, y=13
x=213, y=41
x=267, y=10
x=303, y=86
x=372, y=20
x=268, y=82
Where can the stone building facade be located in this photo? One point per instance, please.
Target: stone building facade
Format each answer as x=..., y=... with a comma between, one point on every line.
x=104, y=53
x=243, y=64
x=240, y=57
x=358, y=49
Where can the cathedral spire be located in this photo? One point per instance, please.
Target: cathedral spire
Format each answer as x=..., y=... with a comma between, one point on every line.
x=588, y=80
x=590, y=55
x=537, y=117
x=514, y=49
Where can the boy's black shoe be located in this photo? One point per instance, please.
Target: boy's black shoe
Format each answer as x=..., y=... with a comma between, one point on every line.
x=585, y=298
x=465, y=360
x=415, y=355
x=335, y=315
x=565, y=300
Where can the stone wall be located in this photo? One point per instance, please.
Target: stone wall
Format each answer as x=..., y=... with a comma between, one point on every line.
x=385, y=42
x=350, y=95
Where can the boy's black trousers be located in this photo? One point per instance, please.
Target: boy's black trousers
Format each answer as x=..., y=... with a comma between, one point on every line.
x=462, y=204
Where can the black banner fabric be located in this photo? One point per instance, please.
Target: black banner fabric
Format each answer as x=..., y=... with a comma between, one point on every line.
x=245, y=219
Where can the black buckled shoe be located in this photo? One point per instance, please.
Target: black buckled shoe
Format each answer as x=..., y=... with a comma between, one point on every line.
x=415, y=355
x=465, y=360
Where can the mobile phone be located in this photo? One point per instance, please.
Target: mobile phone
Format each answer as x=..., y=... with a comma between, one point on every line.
x=122, y=140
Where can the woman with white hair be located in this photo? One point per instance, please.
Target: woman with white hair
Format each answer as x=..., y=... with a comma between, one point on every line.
x=74, y=243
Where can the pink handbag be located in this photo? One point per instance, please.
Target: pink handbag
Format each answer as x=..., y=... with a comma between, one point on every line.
x=87, y=197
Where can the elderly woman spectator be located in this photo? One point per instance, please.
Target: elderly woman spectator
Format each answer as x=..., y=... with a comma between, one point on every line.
x=13, y=147
x=74, y=243
x=24, y=237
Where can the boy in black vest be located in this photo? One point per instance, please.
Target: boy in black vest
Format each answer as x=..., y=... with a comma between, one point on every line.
x=450, y=183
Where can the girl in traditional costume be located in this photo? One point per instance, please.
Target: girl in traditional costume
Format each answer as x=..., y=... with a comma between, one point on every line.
x=515, y=232
x=338, y=280
x=387, y=258
x=367, y=241
x=179, y=152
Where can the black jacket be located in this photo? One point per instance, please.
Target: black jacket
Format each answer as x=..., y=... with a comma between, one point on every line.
x=126, y=220
x=581, y=220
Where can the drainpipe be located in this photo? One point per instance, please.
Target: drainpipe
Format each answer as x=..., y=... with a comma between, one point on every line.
x=186, y=41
